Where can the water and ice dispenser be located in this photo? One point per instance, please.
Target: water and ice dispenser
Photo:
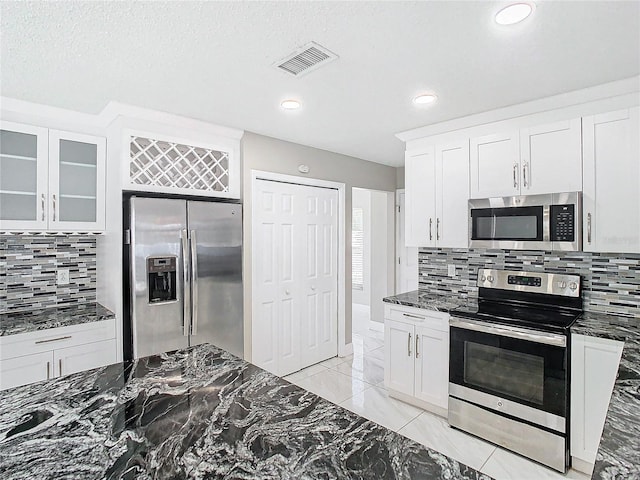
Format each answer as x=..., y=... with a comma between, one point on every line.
x=161, y=277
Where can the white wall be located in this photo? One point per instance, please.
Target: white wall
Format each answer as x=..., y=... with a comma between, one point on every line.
x=362, y=199
x=273, y=155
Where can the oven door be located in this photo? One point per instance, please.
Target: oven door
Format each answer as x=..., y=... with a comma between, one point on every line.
x=515, y=371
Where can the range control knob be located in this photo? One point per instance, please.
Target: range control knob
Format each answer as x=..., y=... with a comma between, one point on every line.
x=573, y=285
x=562, y=284
x=490, y=278
x=483, y=278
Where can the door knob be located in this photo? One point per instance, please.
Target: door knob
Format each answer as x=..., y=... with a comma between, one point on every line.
x=286, y=292
x=313, y=288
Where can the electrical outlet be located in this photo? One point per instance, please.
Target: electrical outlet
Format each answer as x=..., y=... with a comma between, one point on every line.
x=63, y=277
x=451, y=270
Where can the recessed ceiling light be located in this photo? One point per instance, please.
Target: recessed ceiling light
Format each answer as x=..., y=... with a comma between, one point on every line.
x=424, y=99
x=290, y=104
x=513, y=14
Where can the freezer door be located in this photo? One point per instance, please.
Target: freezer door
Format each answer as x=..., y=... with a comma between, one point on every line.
x=157, y=229
x=215, y=231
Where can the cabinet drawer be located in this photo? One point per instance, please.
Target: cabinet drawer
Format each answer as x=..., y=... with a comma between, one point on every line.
x=26, y=369
x=418, y=316
x=84, y=357
x=54, y=338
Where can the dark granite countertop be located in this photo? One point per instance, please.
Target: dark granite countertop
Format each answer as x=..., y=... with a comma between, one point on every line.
x=619, y=450
x=428, y=300
x=24, y=322
x=198, y=413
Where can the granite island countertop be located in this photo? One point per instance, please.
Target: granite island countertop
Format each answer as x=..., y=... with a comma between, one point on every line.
x=619, y=450
x=25, y=322
x=198, y=413
x=429, y=300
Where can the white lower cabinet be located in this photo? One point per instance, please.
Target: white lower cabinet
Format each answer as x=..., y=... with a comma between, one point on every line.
x=45, y=354
x=594, y=365
x=417, y=356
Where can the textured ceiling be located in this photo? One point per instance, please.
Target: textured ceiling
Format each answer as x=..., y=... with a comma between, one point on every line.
x=213, y=61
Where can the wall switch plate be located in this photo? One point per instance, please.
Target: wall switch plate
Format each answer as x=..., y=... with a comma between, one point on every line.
x=63, y=277
x=451, y=270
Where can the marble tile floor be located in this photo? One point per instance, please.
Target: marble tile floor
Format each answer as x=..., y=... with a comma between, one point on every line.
x=356, y=383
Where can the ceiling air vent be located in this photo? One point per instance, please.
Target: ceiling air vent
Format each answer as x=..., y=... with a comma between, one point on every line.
x=306, y=59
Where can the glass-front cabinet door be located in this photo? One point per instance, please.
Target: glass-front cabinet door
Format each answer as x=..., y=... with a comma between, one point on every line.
x=23, y=177
x=77, y=181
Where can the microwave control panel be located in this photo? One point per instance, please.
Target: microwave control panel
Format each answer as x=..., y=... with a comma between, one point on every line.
x=563, y=221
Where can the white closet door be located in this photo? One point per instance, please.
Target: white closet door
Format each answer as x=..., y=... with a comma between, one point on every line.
x=319, y=321
x=276, y=309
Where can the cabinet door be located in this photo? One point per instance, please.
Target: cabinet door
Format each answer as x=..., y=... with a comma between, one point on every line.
x=594, y=365
x=84, y=357
x=452, y=195
x=420, y=197
x=432, y=366
x=399, y=356
x=77, y=181
x=27, y=369
x=611, y=146
x=23, y=177
x=551, y=158
x=495, y=165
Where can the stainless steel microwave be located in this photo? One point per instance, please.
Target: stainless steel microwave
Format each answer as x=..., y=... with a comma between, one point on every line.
x=531, y=222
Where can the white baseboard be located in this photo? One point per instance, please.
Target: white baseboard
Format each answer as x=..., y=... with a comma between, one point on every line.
x=345, y=350
x=377, y=326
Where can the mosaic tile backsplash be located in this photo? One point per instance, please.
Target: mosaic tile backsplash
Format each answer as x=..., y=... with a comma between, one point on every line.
x=29, y=267
x=611, y=282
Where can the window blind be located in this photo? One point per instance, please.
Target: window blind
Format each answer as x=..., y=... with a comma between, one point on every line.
x=357, y=249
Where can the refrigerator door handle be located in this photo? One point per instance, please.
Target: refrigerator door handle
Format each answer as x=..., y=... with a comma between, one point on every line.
x=194, y=284
x=185, y=284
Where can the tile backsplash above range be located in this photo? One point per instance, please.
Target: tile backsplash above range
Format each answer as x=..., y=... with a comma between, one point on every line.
x=611, y=282
x=29, y=266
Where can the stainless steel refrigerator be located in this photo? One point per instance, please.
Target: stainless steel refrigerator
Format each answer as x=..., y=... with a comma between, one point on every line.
x=185, y=275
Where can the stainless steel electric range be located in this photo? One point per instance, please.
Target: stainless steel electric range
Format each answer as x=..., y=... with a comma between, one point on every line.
x=509, y=363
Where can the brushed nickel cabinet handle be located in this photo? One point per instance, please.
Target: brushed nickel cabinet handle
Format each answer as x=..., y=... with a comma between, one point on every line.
x=48, y=370
x=42, y=203
x=60, y=366
x=515, y=171
x=430, y=229
x=413, y=316
x=588, y=227
x=54, y=207
x=53, y=339
x=437, y=229
x=524, y=174
x=409, y=345
x=417, y=353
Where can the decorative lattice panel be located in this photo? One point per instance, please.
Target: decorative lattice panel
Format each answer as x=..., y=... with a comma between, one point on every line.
x=165, y=164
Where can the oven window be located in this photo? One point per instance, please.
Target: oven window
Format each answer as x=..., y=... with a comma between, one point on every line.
x=514, y=374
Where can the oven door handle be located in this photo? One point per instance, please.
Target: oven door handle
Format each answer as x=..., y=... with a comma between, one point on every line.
x=511, y=332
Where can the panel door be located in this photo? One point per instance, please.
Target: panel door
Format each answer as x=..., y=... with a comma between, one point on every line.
x=594, y=365
x=611, y=145
x=551, y=158
x=495, y=165
x=215, y=234
x=432, y=366
x=399, y=356
x=452, y=195
x=420, y=199
x=407, y=257
x=84, y=357
x=77, y=185
x=23, y=177
x=319, y=316
x=27, y=369
x=277, y=285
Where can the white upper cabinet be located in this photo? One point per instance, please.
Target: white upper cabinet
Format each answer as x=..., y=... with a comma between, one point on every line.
x=611, y=146
x=23, y=177
x=535, y=160
x=495, y=165
x=437, y=192
x=551, y=159
x=51, y=180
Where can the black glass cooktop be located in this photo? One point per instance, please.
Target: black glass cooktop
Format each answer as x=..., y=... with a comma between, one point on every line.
x=539, y=317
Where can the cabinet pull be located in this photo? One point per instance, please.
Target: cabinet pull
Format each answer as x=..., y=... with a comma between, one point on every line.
x=54, y=207
x=430, y=225
x=53, y=339
x=417, y=353
x=409, y=345
x=515, y=172
x=42, y=203
x=413, y=316
x=588, y=227
x=524, y=174
x=437, y=229
x=60, y=366
x=48, y=370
